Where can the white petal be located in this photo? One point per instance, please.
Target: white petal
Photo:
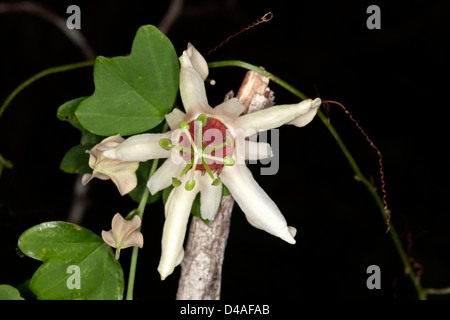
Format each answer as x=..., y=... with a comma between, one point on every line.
x=272, y=117
x=209, y=197
x=292, y=231
x=307, y=117
x=254, y=202
x=109, y=143
x=198, y=62
x=86, y=178
x=95, y=174
x=122, y=174
x=254, y=224
x=174, y=118
x=162, y=178
x=178, y=209
x=93, y=154
x=257, y=150
x=108, y=238
x=231, y=108
x=192, y=88
x=135, y=239
x=141, y=147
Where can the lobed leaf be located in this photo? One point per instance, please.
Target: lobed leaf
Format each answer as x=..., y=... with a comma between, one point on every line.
x=132, y=93
x=60, y=245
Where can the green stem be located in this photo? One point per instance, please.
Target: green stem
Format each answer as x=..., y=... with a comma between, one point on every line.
x=370, y=187
x=40, y=75
x=26, y=83
x=140, y=212
x=5, y=163
x=248, y=66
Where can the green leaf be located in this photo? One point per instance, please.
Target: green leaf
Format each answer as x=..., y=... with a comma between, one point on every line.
x=62, y=246
x=142, y=175
x=76, y=160
x=195, y=210
x=132, y=93
x=66, y=112
x=25, y=292
x=165, y=193
x=225, y=190
x=9, y=293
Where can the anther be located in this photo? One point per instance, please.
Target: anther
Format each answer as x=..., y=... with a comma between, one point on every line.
x=203, y=119
x=228, y=161
x=166, y=144
x=216, y=182
x=175, y=182
x=190, y=184
x=184, y=125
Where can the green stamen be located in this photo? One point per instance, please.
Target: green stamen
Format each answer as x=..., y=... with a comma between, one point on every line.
x=228, y=161
x=183, y=172
x=188, y=150
x=166, y=144
x=199, y=153
x=199, y=136
x=184, y=125
x=208, y=169
x=176, y=181
x=216, y=181
x=228, y=142
x=203, y=118
x=190, y=184
x=185, y=130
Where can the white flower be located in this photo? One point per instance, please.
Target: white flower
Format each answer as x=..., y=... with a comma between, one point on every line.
x=123, y=174
x=123, y=234
x=207, y=146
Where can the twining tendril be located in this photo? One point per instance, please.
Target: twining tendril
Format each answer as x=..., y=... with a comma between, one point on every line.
x=265, y=18
x=380, y=159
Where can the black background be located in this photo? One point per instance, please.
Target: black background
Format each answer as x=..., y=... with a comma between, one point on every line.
x=393, y=81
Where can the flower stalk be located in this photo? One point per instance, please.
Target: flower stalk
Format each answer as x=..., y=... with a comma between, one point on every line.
x=140, y=212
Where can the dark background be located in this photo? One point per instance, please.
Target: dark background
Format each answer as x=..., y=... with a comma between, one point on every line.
x=392, y=80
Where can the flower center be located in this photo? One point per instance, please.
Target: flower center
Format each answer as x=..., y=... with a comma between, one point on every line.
x=205, y=145
x=213, y=147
